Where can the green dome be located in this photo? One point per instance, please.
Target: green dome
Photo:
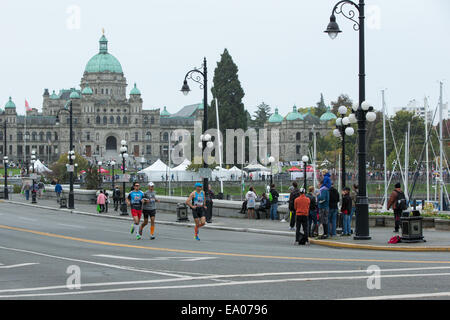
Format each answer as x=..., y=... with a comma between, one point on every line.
x=165, y=113
x=54, y=96
x=275, y=117
x=87, y=90
x=328, y=116
x=103, y=62
x=135, y=91
x=74, y=95
x=311, y=118
x=10, y=104
x=294, y=115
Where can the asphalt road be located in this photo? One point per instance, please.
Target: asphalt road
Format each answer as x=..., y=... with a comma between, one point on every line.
x=42, y=251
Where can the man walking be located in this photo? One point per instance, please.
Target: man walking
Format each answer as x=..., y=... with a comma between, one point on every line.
x=301, y=206
x=58, y=191
x=397, y=201
x=273, y=197
x=324, y=207
x=116, y=198
x=332, y=215
x=295, y=193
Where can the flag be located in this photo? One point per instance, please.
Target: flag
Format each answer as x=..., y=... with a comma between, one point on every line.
x=27, y=106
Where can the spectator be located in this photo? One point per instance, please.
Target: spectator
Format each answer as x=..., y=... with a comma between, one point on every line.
x=289, y=213
x=301, y=206
x=58, y=191
x=273, y=197
x=324, y=206
x=251, y=203
x=332, y=215
x=101, y=200
x=106, y=200
x=209, y=204
x=295, y=193
x=26, y=190
x=116, y=198
x=41, y=187
x=353, y=195
x=263, y=206
x=346, y=210
x=326, y=178
x=312, y=211
x=397, y=201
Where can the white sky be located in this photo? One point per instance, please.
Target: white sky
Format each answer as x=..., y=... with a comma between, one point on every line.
x=284, y=58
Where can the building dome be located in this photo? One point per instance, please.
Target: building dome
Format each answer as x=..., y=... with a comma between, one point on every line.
x=10, y=104
x=87, y=90
x=54, y=96
x=276, y=117
x=294, y=115
x=328, y=116
x=74, y=95
x=103, y=61
x=135, y=91
x=165, y=113
x=311, y=118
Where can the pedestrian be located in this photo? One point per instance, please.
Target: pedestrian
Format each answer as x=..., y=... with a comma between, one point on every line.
x=26, y=190
x=295, y=193
x=58, y=191
x=106, y=200
x=273, y=197
x=287, y=215
x=301, y=205
x=312, y=218
x=116, y=198
x=149, y=210
x=263, y=206
x=101, y=199
x=397, y=201
x=41, y=187
x=353, y=195
x=333, y=213
x=134, y=200
x=196, y=202
x=346, y=209
x=251, y=203
x=324, y=206
x=326, y=178
x=209, y=204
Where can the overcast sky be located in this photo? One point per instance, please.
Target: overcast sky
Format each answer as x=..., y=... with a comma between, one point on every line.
x=284, y=58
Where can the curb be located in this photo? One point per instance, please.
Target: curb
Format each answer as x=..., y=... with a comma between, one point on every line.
x=326, y=243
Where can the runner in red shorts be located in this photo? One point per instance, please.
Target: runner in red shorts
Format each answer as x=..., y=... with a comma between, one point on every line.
x=135, y=199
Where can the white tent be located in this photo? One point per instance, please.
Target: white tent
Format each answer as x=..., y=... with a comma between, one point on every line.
x=256, y=167
x=39, y=167
x=221, y=174
x=183, y=166
x=156, y=172
x=235, y=173
x=180, y=173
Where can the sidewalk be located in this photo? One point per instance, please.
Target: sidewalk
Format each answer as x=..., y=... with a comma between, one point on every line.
x=435, y=240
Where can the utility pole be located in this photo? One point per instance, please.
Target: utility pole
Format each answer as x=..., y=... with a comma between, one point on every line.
x=384, y=152
x=441, y=155
x=426, y=148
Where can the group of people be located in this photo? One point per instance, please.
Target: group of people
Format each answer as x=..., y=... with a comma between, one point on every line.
x=268, y=203
x=29, y=188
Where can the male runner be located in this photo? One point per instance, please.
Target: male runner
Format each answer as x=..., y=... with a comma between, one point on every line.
x=135, y=199
x=149, y=210
x=196, y=201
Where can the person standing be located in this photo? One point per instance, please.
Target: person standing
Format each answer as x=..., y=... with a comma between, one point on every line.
x=26, y=190
x=209, y=204
x=134, y=200
x=116, y=198
x=333, y=213
x=101, y=199
x=58, y=191
x=397, y=201
x=41, y=187
x=149, y=210
x=301, y=206
x=251, y=203
x=324, y=206
x=312, y=218
x=295, y=193
x=196, y=202
x=106, y=200
x=263, y=206
x=353, y=195
x=346, y=210
x=273, y=197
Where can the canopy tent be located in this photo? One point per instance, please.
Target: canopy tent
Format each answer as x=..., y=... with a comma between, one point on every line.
x=294, y=169
x=183, y=166
x=256, y=167
x=39, y=167
x=156, y=172
x=181, y=172
x=221, y=174
x=102, y=170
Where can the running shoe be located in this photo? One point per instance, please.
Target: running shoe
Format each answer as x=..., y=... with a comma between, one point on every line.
x=138, y=237
x=197, y=238
x=132, y=229
x=152, y=237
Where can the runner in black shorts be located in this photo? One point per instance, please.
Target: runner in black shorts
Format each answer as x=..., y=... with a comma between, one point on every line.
x=196, y=201
x=149, y=210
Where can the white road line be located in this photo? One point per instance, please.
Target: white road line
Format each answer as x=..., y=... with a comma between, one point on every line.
x=235, y=283
x=405, y=296
x=127, y=268
x=221, y=277
x=184, y=259
x=17, y=265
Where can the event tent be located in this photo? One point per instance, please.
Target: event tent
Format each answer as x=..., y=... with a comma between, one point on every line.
x=39, y=167
x=156, y=172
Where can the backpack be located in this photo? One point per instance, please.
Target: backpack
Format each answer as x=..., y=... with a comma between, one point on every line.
x=395, y=239
x=312, y=202
x=270, y=197
x=401, y=201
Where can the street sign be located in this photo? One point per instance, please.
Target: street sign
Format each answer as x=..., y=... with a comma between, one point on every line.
x=124, y=178
x=205, y=173
x=70, y=168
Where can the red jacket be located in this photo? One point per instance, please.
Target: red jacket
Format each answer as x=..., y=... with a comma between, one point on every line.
x=301, y=205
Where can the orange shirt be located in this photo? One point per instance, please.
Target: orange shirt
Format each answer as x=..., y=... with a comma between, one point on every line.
x=301, y=205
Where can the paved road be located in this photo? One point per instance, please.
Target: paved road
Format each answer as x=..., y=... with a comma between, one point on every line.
x=38, y=246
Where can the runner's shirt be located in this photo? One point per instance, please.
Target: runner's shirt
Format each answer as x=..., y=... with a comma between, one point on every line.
x=251, y=199
x=199, y=199
x=151, y=195
x=135, y=198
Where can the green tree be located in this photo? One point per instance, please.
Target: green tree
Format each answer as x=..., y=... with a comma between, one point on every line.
x=342, y=100
x=262, y=115
x=59, y=168
x=321, y=107
x=92, y=178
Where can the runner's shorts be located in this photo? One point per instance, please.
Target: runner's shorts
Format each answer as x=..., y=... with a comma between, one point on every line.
x=149, y=213
x=198, y=213
x=136, y=213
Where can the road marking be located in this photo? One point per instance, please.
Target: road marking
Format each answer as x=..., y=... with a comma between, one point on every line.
x=405, y=296
x=184, y=259
x=17, y=265
x=71, y=226
x=219, y=278
x=234, y=283
x=52, y=235
x=127, y=268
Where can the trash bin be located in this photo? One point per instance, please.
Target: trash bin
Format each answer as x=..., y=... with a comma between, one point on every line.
x=63, y=203
x=123, y=209
x=412, y=227
x=182, y=214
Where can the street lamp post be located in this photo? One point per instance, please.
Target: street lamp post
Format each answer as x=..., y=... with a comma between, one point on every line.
x=33, y=189
x=305, y=160
x=100, y=180
x=143, y=161
x=124, y=156
x=271, y=161
x=112, y=164
x=71, y=153
x=5, y=162
x=344, y=128
x=76, y=171
x=203, y=85
x=362, y=110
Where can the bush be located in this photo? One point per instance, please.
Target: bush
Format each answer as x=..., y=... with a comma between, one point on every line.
x=16, y=188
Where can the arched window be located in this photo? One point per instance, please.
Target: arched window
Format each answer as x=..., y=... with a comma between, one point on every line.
x=145, y=120
x=166, y=136
x=111, y=120
x=48, y=136
x=97, y=120
x=118, y=120
x=33, y=136
x=298, y=136
x=19, y=136
x=56, y=136
x=136, y=121
x=41, y=136
x=148, y=136
x=105, y=120
x=125, y=120
x=311, y=136
x=136, y=136
x=152, y=120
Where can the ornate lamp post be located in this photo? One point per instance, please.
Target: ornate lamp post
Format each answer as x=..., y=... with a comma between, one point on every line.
x=33, y=189
x=203, y=85
x=5, y=162
x=362, y=110
x=112, y=163
x=124, y=156
x=271, y=161
x=305, y=160
x=100, y=179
